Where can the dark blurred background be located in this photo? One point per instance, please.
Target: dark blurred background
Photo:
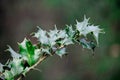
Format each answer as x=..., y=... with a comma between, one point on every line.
x=19, y=18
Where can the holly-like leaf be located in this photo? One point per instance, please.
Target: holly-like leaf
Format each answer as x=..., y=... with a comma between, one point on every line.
x=52, y=42
x=82, y=26
x=16, y=66
x=95, y=30
x=85, y=28
x=13, y=53
x=66, y=41
x=87, y=44
x=56, y=36
x=53, y=36
x=37, y=54
x=41, y=36
x=27, y=51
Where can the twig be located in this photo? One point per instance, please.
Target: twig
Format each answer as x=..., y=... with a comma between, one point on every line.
x=38, y=62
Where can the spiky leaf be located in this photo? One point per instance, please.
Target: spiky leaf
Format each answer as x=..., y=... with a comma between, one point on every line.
x=13, y=53
x=85, y=28
x=27, y=51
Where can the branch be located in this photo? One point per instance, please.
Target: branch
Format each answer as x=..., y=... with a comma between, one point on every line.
x=32, y=67
x=49, y=43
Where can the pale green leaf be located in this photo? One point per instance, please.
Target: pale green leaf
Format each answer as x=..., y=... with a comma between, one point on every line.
x=41, y=35
x=82, y=26
x=85, y=28
x=8, y=75
x=61, y=52
x=70, y=32
x=13, y=53
x=16, y=66
x=37, y=54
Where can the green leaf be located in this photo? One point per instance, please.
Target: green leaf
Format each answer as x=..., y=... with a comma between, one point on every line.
x=87, y=44
x=27, y=50
x=30, y=47
x=53, y=42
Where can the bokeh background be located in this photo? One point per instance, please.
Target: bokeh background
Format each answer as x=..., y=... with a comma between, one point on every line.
x=19, y=18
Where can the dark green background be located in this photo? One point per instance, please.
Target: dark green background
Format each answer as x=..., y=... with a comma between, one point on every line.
x=19, y=18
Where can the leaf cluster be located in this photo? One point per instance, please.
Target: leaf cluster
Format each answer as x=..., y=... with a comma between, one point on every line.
x=49, y=43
